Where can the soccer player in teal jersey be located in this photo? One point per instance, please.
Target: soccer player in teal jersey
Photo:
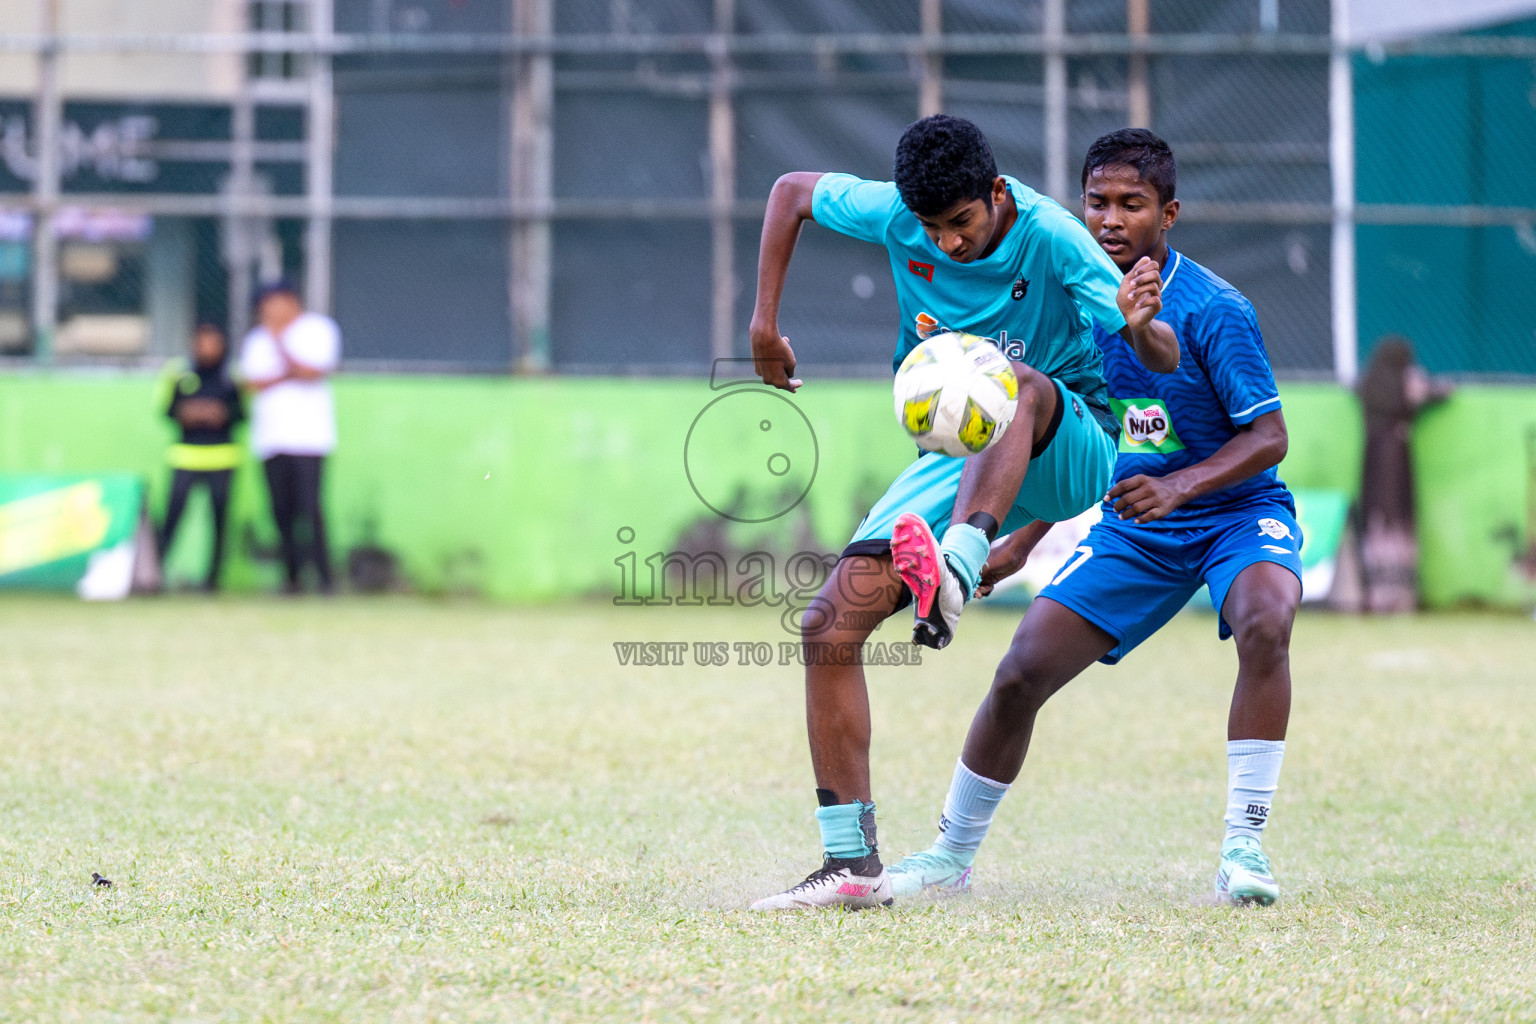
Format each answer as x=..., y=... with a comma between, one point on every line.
x=1196, y=500
x=978, y=252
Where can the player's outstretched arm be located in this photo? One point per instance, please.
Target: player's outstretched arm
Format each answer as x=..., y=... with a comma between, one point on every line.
x=1256, y=447
x=1140, y=299
x=789, y=206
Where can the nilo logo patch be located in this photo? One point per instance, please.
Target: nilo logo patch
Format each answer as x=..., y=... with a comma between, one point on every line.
x=1145, y=426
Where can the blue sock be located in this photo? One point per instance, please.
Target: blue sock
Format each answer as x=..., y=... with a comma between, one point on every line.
x=968, y=811
x=966, y=548
x=847, y=830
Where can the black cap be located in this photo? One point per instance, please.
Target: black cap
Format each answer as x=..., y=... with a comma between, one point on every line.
x=282, y=286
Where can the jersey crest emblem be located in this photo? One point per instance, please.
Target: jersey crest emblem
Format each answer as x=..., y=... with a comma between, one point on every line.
x=1020, y=289
x=1145, y=426
x=1274, y=528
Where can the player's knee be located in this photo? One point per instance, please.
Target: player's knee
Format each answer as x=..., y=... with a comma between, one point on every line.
x=849, y=607
x=819, y=618
x=1018, y=689
x=1264, y=633
x=1035, y=388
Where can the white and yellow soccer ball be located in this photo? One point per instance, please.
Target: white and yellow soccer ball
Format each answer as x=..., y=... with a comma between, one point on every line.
x=956, y=394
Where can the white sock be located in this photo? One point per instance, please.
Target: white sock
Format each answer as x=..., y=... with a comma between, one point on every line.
x=1253, y=773
x=968, y=811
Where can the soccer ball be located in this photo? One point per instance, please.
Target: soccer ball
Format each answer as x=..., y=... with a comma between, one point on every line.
x=956, y=394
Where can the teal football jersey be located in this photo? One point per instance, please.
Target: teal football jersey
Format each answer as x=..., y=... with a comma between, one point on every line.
x=1044, y=287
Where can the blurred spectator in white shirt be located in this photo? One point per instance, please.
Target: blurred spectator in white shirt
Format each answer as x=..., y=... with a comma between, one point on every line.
x=286, y=359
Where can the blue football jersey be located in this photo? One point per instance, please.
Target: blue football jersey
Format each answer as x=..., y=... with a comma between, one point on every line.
x=1045, y=285
x=1172, y=420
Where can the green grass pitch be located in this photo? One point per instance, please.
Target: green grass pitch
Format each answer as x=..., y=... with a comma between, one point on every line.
x=402, y=810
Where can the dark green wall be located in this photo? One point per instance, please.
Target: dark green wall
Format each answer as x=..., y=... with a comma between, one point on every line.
x=1449, y=131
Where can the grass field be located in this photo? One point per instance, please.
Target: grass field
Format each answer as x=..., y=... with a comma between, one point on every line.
x=407, y=811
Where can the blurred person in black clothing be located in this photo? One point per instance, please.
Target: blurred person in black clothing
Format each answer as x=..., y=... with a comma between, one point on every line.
x=207, y=405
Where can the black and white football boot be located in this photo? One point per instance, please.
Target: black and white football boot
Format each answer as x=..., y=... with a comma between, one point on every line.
x=855, y=884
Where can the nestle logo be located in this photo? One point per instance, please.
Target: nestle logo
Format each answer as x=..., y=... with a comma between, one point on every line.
x=922, y=270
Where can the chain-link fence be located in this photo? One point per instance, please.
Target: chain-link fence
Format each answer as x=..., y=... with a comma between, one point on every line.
x=476, y=185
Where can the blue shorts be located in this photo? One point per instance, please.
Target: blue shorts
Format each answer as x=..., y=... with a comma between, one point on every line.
x=1130, y=580
x=1068, y=475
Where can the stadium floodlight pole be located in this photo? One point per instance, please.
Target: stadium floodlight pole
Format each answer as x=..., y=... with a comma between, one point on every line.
x=320, y=160
x=48, y=116
x=1341, y=162
x=1056, y=100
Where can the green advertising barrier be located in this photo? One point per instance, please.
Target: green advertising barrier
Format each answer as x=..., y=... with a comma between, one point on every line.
x=531, y=489
x=1474, y=460
x=1321, y=514
x=70, y=532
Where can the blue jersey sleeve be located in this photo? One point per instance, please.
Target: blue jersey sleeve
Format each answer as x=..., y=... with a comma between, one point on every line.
x=1086, y=270
x=854, y=206
x=1232, y=351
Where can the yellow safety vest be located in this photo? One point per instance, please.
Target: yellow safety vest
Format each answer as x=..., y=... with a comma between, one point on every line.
x=203, y=458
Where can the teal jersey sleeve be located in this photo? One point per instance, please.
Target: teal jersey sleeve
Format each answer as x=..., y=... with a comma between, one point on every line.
x=855, y=207
x=1086, y=271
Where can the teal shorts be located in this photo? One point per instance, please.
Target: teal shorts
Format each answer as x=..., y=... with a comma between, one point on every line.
x=1071, y=469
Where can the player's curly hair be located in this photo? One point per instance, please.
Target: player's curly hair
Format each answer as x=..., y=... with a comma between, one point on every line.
x=941, y=161
x=1138, y=148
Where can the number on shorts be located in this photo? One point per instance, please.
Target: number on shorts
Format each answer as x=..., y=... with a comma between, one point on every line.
x=1084, y=552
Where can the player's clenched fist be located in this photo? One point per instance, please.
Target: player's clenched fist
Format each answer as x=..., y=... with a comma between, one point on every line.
x=772, y=357
x=1141, y=293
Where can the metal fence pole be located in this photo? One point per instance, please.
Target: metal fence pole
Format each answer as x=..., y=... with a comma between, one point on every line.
x=722, y=191
x=531, y=181
x=237, y=223
x=1055, y=100
x=930, y=99
x=1269, y=16
x=320, y=159
x=1139, y=90
x=1341, y=163
x=48, y=116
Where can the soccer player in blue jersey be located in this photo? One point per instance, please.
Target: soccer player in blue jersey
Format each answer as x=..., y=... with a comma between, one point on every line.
x=973, y=251
x=1196, y=500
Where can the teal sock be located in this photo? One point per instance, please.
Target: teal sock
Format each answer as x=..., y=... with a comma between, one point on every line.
x=965, y=549
x=847, y=830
